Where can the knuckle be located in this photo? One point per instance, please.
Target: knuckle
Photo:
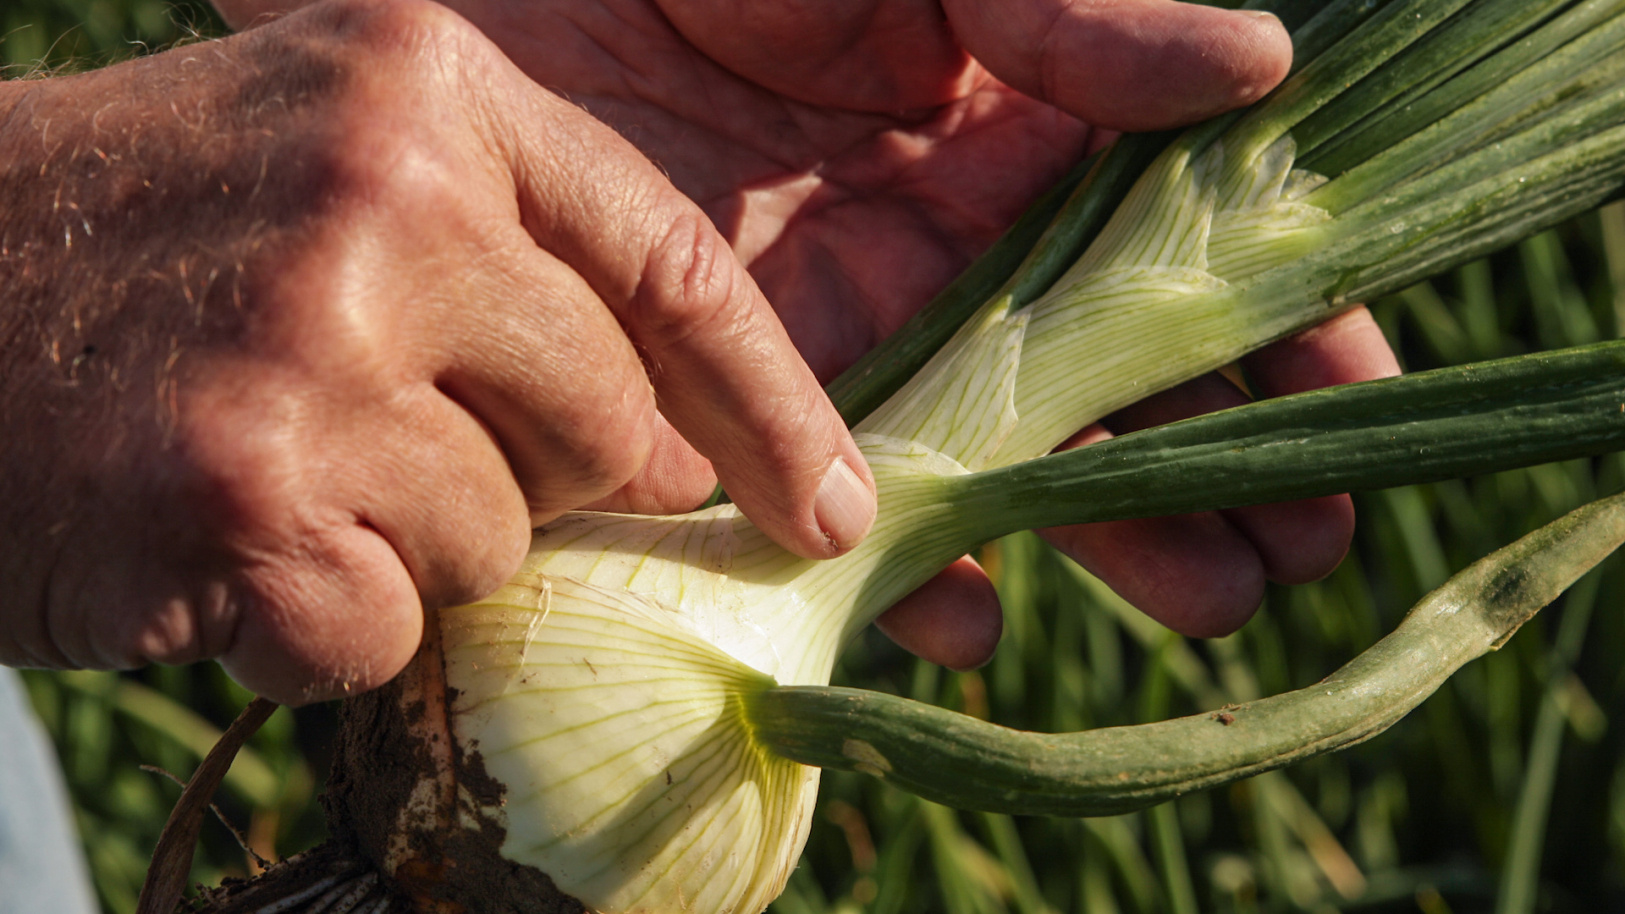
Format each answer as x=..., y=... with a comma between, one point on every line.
x=372, y=157
x=689, y=284
x=348, y=120
x=486, y=565
x=596, y=447
x=1052, y=63
x=186, y=628
x=247, y=471
x=322, y=621
x=394, y=26
x=616, y=440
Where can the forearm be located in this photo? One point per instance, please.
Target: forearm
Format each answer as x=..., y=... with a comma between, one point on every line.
x=12, y=92
x=29, y=404
x=84, y=348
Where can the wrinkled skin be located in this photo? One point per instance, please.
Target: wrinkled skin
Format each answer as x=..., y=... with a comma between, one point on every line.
x=241, y=271
x=857, y=154
x=287, y=360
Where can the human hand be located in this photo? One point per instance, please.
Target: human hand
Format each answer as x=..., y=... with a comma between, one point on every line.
x=307, y=327
x=857, y=154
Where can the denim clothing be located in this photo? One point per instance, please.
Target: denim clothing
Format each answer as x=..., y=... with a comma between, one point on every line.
x=42, y=867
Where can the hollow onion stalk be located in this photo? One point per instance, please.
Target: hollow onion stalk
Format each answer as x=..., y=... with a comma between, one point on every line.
x=606, y=718
x=973, y=764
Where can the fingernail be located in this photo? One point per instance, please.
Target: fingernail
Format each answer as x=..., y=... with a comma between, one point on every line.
x=1259, y=14
x=844, y=508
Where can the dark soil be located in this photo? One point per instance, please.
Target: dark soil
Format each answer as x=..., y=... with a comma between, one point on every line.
x=381, y=756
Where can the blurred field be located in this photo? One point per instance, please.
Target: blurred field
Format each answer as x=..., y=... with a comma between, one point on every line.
x=53, y=34
x=1505, y=792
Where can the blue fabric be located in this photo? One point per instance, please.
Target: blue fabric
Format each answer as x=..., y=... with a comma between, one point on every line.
x=42, y=868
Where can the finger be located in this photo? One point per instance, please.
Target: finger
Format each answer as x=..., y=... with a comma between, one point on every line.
x=1195, y=573
x=451, y=508
x=674, y=479
x=537, y=356
x=1348, y=348
x=724, y=371
x=1127, y=64
x=1297, y=541
x=1205, y=394
x=890, y=55
x=316, y=631
x=1306, y=540
x=953, y=620
x=346, y=524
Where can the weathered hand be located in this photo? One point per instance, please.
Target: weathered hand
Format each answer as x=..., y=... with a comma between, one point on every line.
x=858, y=153
x=305, y=328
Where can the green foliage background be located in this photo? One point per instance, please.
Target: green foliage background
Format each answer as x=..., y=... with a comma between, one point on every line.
x=52, y=34
x=1505, y=792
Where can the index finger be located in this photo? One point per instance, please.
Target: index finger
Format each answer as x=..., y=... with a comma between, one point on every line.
x=1130, y=65
x=724, y=370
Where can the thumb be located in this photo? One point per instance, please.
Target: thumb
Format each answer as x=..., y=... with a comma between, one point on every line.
x=1131, y=65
